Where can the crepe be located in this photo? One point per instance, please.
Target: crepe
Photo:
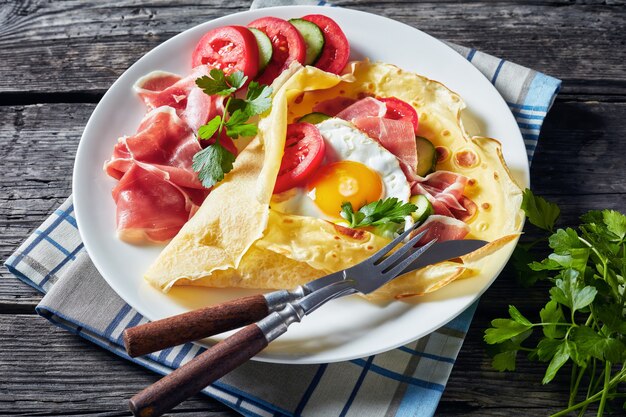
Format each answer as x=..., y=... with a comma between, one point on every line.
x=237, y=240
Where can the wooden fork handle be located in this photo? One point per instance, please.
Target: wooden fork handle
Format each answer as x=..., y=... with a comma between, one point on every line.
x=198, y=373
x=194, y=325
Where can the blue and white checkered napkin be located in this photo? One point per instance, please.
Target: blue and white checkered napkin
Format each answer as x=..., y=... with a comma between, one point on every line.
x=405, y=381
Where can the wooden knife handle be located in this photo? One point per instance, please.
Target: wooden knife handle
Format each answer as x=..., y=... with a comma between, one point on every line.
x=198, y=373
x=194, y=325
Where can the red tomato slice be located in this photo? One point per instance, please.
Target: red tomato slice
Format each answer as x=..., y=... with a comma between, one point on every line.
x=304, y=153
x=229, y=48
x=287, y=43
x=336, y=51
x=400, y=110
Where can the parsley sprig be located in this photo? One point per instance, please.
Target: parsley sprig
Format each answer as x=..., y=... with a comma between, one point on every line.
x=584, y=322
x=387, y=215
x=215, y=160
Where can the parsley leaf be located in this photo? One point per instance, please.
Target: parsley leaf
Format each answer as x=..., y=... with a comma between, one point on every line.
x=258, y=100
x=524, y=274
x=600, y=347
x=568, y=291
x=540, y=212
x=212, y=163
x=236, y=79
x=564, y=240
x=218, y=83
x=244, y=129
x=505, y=354
x=208, y=130
x=552, y=315
x=561, y=355
x=518, y=317
x=377, y=213
x=615, y=223
x=504, y=329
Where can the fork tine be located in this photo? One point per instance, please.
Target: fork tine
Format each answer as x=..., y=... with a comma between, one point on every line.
x=397, y=269
x=387, y=248
x=391, y=259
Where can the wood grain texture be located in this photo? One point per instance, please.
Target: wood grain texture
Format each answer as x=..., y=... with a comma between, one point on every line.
x=88, y=45
x=194, y=325
x=204, y=369
x=58, y=58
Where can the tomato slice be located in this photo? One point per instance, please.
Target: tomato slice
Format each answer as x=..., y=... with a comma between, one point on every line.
x=336, y=51
x=400, y=110
x=304, y=153
x=287, y=43
x=229, y=48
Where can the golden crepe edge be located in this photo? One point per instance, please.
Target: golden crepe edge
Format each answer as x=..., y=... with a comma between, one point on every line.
x=295, y=249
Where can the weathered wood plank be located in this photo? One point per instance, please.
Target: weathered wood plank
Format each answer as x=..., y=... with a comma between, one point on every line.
x=47, y=371
x=73, y=46
x=41, y=374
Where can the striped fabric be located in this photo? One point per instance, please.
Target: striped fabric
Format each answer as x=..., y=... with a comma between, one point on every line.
x=407, y=381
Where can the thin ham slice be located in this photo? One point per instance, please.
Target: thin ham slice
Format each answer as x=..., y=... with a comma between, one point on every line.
x=158, y=189
x=160, y=88
x=193, y=106
x=151, y=208
x=163, y=142
x=367, y=107
x=470, y=209
x=443, y=228
x=201, y=108
x=444, y=190
x=396, y=136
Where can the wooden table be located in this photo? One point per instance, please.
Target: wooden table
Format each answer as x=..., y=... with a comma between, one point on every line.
x=58, y=58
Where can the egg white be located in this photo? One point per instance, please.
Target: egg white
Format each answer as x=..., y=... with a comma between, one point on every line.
x=344, y=142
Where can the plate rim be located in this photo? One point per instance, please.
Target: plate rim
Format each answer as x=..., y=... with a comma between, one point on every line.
x=81, y=217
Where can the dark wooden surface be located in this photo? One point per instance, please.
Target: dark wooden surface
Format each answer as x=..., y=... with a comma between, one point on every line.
x=58, y=58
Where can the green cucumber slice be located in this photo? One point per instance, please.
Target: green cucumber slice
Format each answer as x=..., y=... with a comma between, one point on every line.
x=424, y=208
x=314, y=118
x=265, y=48
x=426, y=156
x=313, y=37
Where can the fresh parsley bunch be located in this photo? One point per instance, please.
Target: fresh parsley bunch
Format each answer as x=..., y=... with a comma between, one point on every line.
x=386, y=215
x=584, y=323
x=214, y=161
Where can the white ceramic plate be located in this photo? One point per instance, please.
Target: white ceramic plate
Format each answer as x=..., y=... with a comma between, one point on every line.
x=341, y=330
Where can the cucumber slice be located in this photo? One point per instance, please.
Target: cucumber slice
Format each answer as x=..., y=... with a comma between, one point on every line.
x=426, y=156
x=265, y=48
x=424, y=208
x=313, y=37
x=314, y=118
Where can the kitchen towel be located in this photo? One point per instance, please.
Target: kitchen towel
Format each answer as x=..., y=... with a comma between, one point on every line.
x=405, y=381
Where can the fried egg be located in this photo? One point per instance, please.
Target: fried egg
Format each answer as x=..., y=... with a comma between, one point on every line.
x=356, y=169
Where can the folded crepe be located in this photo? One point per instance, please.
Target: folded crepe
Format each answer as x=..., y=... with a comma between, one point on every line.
x=237, y=240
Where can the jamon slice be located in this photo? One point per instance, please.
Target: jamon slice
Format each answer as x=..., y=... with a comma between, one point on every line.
x=396, y=136
x=150, y=208
x=160, y=88
x=367, y=107
x=443, y=228
x=444, y=190
x=163, y=142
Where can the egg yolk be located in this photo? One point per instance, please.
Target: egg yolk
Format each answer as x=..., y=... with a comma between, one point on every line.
x=344, y=181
